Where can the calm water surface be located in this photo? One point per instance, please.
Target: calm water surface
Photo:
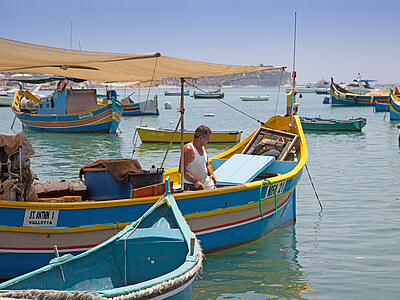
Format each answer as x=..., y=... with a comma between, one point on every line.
x=349, y=250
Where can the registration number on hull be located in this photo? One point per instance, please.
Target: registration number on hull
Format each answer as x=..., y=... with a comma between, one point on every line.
x=40, y=218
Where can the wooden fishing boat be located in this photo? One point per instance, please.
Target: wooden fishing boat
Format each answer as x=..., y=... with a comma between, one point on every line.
x=129, y=107
x=244, y=205
x=156, y=256
x=394, y=107
x=147, y=107
x=254, y=98
x=163, y=135
x=66, y=110
x=166, y=93
x=318, y=124
x=343, y=97
x=211, y=94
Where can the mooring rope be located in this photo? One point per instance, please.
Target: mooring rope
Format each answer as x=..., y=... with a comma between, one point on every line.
x=259, y=201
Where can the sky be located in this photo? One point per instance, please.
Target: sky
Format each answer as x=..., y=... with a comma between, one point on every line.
x=336, y=39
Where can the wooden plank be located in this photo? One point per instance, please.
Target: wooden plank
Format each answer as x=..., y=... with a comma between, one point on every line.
x=287, y=149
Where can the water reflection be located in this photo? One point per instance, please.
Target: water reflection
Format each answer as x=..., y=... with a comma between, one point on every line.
x=265, y=268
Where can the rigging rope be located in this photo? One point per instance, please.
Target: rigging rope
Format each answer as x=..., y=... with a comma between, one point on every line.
x=135, y=135
x=223, y=102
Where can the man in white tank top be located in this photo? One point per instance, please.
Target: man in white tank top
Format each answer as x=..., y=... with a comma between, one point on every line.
x=196, y=167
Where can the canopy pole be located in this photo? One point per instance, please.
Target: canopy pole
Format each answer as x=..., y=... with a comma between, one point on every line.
x=293, y=98
x=182, y=111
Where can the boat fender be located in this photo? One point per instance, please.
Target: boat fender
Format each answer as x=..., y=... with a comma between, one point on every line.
x=61, y=85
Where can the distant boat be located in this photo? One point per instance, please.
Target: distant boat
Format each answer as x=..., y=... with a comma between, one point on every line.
x=156, y=257
x=66, y=110
x=319, y=124
x=6, y=97
x=185, y=93
x=162, y=135
x=211, y=94
x=131, y=108
x=322, y=90
x=360, y=86
x=254, y=98
x=326, y=100
x=311, y=87
x=341, y=96
x=148, y=107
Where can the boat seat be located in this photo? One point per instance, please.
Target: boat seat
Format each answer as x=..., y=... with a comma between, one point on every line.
x=242, y=168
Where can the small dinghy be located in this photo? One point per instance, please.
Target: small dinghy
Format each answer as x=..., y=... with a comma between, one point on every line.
x=318, y=124
x=254, y=98
x=156, y=256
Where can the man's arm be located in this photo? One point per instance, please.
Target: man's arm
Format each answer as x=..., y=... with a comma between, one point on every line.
x=210, y=173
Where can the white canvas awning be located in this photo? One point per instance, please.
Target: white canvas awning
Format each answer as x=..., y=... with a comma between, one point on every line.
x=107, y=67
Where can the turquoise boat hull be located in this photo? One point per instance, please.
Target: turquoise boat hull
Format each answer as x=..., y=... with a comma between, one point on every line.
x=155, y=257
x=318, y=124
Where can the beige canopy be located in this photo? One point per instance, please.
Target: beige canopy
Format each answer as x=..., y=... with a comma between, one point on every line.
x=106, y=67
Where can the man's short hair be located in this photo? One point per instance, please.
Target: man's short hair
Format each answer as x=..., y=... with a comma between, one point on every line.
x=202, y=131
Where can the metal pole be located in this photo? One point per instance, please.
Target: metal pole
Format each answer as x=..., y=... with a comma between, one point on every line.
x=293, y=100
x=182, y=129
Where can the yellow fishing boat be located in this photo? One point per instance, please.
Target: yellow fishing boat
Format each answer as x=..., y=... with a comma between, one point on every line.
x=163, y=135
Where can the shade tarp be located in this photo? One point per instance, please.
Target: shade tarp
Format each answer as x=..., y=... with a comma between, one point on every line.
x=107, y=67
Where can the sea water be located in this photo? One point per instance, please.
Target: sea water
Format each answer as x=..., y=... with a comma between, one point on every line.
x=347, y=250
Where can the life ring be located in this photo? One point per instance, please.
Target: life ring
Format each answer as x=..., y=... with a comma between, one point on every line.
x=61, y=85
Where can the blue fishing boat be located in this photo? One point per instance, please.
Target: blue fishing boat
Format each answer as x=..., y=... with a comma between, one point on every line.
x=326, y=100
x=147, y=107
x=185, y=93
x=382, y=107
x=319, y=124
x=66, y=110
x=131, y=108
x=244, y=206
x=155, y=257
x=343, y=97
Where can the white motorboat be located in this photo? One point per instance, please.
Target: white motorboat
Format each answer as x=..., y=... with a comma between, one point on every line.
x=6, y=97
x=254, y=98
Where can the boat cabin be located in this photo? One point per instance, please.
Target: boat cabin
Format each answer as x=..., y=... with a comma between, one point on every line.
x=69, y=101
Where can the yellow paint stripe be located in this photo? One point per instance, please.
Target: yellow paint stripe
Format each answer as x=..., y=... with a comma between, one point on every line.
x=64, y=229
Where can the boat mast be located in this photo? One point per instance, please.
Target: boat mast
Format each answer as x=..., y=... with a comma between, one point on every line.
x=182, y=111
x=293, y=100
